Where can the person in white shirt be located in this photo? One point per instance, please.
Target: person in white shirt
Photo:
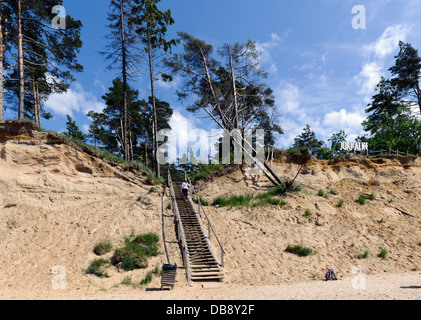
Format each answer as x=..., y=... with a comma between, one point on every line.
x=185, y=188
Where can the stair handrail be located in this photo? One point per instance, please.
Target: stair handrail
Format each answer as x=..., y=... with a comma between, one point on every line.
x=181, y=235
x=210, y=226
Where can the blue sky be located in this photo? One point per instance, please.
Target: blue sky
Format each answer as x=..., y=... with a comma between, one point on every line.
x=322, y=70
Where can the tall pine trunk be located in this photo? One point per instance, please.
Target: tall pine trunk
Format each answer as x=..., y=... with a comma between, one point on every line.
x=234, y=88
x=34, y=91
x=38, y=106
x=146, y=160
x=21, y=111
x=124, y=71
x=154, y=118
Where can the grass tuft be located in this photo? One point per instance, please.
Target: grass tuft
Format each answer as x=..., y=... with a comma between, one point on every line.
x=97, y=267
x=270, y=197
x=334, y=192
x=102, y=247
x=361, y=200
x=383, y=254
x=136, y=251
x=299, y=250
x=363, y=255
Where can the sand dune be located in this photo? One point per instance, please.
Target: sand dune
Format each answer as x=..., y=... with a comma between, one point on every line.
x=57, y=202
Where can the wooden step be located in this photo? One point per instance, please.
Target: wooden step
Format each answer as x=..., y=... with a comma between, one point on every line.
x=208, y=273
x=199, y=246
x=204, y=266
x=201, y=254
x=202, y=271
x=199, y=278
x=198, y=238
x=202, y=259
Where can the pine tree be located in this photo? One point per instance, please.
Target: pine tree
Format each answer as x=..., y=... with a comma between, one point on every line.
x=5, y=35
x=336, y=140
x=122, y=56
x=73, y=130
x=217, y=90
x=407, y=72
x=163, y=113
x=106, y=129
x=151, y=27
x=390, y=122
x=308, y=140
x=43, y=52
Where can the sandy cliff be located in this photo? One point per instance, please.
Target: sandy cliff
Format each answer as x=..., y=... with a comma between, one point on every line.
x=57, y=201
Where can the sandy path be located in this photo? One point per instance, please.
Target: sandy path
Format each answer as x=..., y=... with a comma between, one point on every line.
x=405, y=286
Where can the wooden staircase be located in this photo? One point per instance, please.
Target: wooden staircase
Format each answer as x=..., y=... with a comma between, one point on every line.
x=202, y=264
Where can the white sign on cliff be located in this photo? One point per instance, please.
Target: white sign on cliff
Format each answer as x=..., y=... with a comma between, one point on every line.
x=354, y=146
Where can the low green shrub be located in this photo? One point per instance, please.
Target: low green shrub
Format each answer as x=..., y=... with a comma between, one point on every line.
x=203, y=201
x=233, y=201
x=102, y=247
x=361, y=200
x=363, y=255
x=270, y=197
x=363, y=197
x=97, y=267
x=371, y=196
x=149, y=275
x=136, y=251
x=322, y=193
x=383, y=253
x=307, y=213
x=299, y=250
x=147, y=279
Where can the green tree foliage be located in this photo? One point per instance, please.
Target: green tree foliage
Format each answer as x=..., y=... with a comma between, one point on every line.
x=151, y=27
x=106, y=128
x=163, y=113
x=336, y=140
x=122, y=54
x=308, y=140
x=73, y=130
x=46, y=56
x=5, y=27
x=407, y=74
x=397, y=132
x=392, y=120
x=228, y=90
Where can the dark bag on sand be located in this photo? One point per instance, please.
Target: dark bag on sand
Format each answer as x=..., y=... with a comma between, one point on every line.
x=330, y=275
x=169, y=267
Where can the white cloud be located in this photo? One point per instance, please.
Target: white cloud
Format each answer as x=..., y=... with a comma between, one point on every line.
x=296, y=114
x=380, y=50
x=288, y=96
x=76, y=99
x=388, y=41
x=186, y=134
x=344, y=119
x=265, y=49
x=85, y=128
x=369, y=77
